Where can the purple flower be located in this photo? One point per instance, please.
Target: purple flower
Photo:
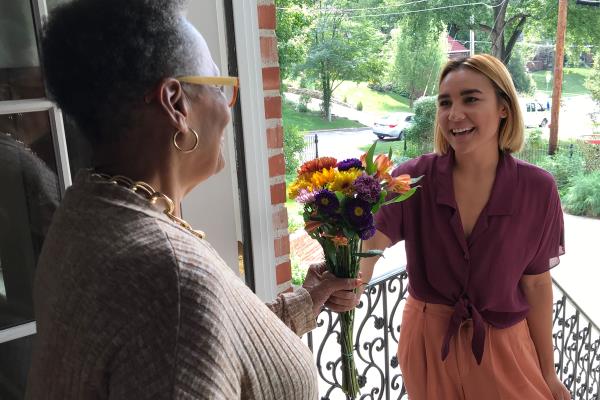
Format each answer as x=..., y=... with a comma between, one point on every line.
x=367, y=233
x=367, y=188
x=349, y=163
x=327, y=202
x=358, y=213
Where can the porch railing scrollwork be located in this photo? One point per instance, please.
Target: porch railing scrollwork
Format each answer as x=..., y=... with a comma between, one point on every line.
x=377, y=329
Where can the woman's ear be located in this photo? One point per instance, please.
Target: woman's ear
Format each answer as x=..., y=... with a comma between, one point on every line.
x=503, y=109
x=172, y=100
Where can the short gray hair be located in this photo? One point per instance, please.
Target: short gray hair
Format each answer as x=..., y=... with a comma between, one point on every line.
x=101, y=57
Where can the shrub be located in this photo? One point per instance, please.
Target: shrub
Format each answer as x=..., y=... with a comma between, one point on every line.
x=583, y=198
x=421, y=131
x=565, y=165
x=591, y=156
x=359, y=106
x=293, y=145
x=298, y=271
x=523, y=81
x=303, y=103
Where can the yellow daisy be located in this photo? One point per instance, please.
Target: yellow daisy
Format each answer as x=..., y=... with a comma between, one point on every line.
x=344, y=181
x=321, y=178
x=299, y=184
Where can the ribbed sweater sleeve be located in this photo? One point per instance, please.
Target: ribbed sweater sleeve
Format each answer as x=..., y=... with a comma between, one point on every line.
x=295, y=310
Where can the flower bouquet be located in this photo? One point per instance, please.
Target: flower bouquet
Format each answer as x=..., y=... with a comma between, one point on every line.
x=339, y=200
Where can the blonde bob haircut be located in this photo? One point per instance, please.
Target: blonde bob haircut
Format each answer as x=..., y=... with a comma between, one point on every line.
x=511, y=128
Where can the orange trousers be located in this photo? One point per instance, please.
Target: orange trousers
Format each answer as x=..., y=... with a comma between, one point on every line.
x=509, y=370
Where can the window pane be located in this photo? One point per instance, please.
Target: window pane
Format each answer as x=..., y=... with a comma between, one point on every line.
x=20, y=76
x=14, y=366
x=29, y=197
x=78, y=147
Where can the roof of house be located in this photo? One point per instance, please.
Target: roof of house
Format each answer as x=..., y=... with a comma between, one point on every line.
x=454, y=46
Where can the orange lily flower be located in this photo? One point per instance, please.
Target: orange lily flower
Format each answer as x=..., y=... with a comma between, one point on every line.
x=383, y=163
x=311, y=226
x=399, y=184
x=340, y=241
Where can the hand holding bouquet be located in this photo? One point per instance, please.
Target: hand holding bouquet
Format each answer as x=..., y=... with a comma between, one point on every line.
x=339, y=201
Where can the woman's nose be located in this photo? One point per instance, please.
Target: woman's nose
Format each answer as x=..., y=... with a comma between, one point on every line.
x=456, y=113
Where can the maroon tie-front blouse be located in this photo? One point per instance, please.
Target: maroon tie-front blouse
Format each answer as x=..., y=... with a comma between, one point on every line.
x=519, y=231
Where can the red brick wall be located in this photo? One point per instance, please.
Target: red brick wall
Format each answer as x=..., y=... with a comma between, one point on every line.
x=274, y=132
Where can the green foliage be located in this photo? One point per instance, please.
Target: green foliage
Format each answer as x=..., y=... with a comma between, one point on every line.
x=523, y=81
x=583, y=198
x=424, y=120
x=593, y=81
x=303, y=103
x=293, y=145
x=418, y=52
x=292, y=24
x=359, y=106
x=298, y=271
x=591, y=156
x=341, y=49
x=565, y=165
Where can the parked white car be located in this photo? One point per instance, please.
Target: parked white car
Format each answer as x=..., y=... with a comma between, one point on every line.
x=534, y=113
x=392, y=126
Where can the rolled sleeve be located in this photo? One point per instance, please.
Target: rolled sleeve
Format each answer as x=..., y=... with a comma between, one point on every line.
x=552, y=241
x=295, y=310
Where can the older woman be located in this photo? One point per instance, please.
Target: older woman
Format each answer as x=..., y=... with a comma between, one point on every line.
x=131, y=302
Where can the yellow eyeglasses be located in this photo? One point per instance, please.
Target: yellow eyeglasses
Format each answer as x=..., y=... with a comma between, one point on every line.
x=228, y=85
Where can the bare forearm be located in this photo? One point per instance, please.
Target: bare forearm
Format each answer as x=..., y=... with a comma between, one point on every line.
x=538, y=290
x=378, y=242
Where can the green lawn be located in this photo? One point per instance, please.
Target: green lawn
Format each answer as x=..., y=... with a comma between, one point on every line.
x=373, y=101
x=573, y=81
x=312, y=121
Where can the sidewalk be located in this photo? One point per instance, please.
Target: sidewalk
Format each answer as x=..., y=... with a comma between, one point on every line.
x=579, y=269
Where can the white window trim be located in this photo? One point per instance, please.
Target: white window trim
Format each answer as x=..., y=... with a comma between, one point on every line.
x=40, y=11
x=245, y=15
x=17, y=332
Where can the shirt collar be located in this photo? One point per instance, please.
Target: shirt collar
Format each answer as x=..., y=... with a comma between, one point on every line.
x=503, y=192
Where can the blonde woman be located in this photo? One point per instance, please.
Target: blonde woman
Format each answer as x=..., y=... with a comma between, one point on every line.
x=480, y=235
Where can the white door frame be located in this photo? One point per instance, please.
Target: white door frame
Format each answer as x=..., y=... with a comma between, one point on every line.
x=245, y=15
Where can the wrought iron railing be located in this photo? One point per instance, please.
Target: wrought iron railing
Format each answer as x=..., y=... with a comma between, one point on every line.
x=377, y=328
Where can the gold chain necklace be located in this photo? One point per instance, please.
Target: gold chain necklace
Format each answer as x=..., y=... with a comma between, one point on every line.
x=147, y=191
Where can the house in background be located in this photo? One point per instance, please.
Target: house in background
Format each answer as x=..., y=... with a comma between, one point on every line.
x=456, y=49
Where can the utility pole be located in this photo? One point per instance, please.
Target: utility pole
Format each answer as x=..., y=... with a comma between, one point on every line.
x=472, y=38
x=559, y=56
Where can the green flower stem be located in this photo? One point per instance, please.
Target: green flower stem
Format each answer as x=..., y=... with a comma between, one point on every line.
x=343, y=263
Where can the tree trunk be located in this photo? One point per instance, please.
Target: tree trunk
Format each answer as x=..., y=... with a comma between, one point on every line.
x=497, y=33
x=326, y=103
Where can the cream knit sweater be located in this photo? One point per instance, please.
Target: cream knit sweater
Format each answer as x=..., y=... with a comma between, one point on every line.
x=130, y=306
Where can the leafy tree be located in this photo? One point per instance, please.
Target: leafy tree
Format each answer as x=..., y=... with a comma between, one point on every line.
x=341, y=49
x=293, y=21
x=419, y=52
x=523, y=81
x=593, y=81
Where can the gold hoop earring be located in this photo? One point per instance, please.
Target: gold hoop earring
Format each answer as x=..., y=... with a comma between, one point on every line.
x=190, y=150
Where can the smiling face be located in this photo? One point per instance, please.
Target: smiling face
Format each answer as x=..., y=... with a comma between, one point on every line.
x=469, y=112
